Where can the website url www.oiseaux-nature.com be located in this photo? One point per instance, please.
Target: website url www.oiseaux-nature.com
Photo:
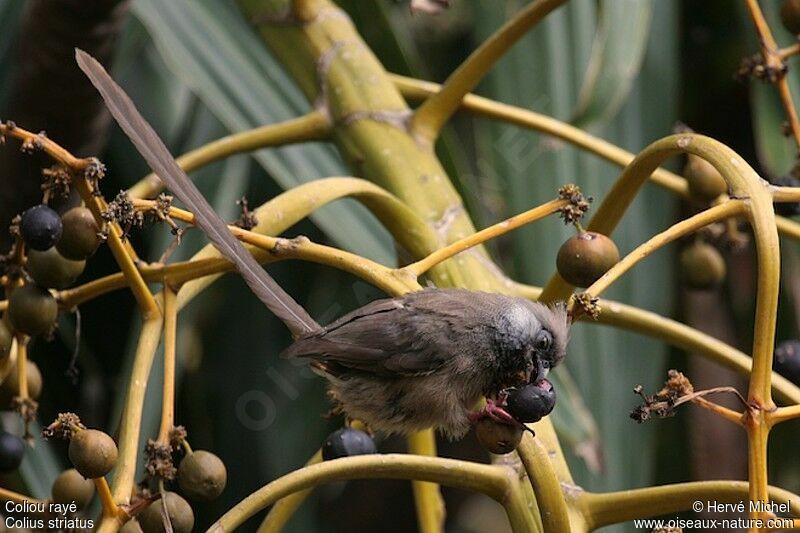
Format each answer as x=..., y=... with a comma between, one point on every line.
x=702, y=524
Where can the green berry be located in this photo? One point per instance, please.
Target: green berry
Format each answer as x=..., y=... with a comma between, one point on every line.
x=202, y=476
x=131, y=526
x=70, y=486
x=80, y=237
x=179, y=512
x=10, y=386
x=62, y=204
x=52, y=270
x=585, y=257
x=93, y=453
x=496, y=437
x=790, y=15
x=702, y=266
x=704, y=180
x=32, y=310
x=5, y=340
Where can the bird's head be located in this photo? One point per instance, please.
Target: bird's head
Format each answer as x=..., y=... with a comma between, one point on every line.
x=532, y=339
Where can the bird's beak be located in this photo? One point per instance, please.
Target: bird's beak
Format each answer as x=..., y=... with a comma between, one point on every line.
x=541, y=369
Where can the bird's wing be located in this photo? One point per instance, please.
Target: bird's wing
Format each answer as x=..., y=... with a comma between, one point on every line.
x=387, y=338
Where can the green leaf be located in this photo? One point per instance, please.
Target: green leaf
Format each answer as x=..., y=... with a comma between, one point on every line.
x=617, y=52
x=244, y=87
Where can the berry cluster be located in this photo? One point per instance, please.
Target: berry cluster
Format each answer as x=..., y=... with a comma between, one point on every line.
x=53, y=244
x=527, y=404
x=56, y=249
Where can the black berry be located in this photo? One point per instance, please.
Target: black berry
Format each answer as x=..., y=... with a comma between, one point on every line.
x=787, y=360
x=40, y=227
x=12, y=449
x=346, y=442
x=531, y=402
x=787, y=209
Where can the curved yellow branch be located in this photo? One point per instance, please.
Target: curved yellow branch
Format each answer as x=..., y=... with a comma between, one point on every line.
x=311, y=127
x=729, y=208
x=497, y=482
x=431, y=116
x=616, y=507
x=415, y=89
x=674, y=333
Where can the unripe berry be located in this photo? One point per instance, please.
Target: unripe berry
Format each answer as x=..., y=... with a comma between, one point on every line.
x=70, y=486
x=202, y=476
x=704, y=180
x=179, y=512
x=52, y=270
x=93, y=453
x=585, y=257
x=32, y=310
x=10, y=386
x=702, y=266
x=80, y=237
x=790, y=15
x=496, y=437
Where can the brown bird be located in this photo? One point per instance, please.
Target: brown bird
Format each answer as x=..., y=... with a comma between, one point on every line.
x=425, y=359
x=401, y=364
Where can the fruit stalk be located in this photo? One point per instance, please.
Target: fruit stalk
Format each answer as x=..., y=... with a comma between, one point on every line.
x=729, y=208
x=310, y=127
x=170, y=332
x=423, y=265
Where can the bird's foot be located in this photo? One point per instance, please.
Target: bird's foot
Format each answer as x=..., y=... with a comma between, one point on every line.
x=496, y=412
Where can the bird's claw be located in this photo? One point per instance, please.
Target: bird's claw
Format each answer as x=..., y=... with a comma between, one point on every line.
x=496, y=412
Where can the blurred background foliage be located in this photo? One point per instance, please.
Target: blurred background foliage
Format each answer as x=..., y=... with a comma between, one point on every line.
x=625, y=70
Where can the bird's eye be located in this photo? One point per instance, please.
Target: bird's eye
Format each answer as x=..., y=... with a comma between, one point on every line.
x=543, y=341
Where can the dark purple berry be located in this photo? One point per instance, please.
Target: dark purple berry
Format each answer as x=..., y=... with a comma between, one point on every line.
x=346, y=442
x=12, y=449
x=40, y=227
x=531, y=402
x=787, y=360
x=787, y=209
